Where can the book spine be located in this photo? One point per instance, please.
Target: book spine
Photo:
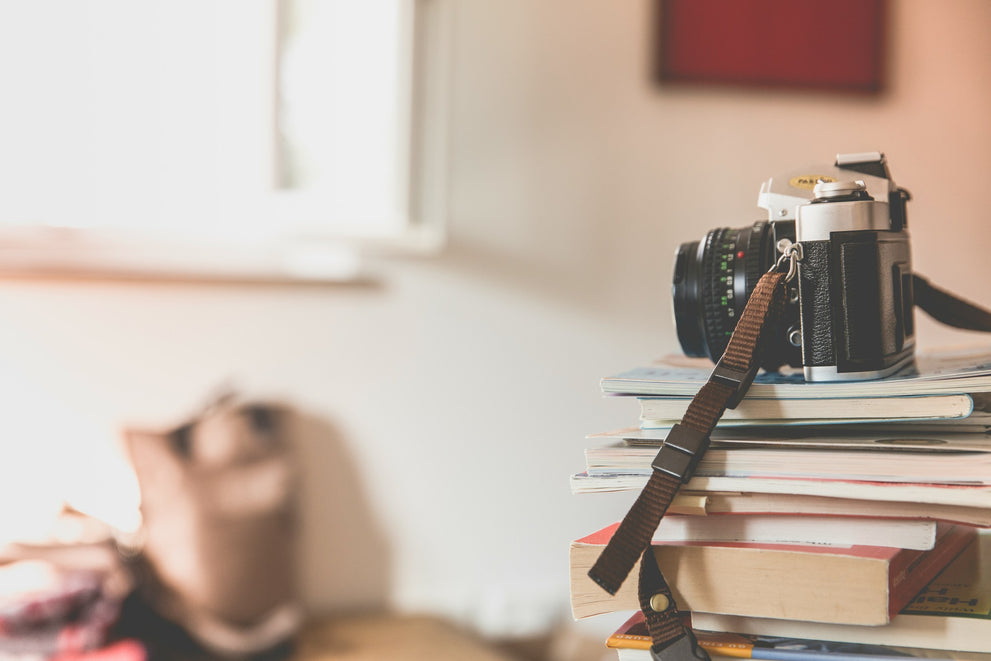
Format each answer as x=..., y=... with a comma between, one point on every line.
x=911, y=571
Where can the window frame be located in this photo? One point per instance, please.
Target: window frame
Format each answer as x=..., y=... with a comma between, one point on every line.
x=312, y=253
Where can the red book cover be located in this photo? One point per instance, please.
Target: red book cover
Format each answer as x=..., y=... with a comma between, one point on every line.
x=902, y=573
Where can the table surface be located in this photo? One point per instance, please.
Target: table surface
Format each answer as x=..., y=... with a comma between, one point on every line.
x=391, y=638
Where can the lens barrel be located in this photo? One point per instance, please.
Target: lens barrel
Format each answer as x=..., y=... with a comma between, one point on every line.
x=713, y=278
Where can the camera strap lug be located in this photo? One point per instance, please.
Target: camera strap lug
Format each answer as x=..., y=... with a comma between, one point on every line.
x=675, y=464
x=789, y=251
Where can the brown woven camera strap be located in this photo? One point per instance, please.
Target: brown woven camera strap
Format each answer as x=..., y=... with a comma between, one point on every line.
x=675, y=463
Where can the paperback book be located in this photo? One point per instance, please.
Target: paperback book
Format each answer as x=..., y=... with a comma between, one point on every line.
x=795, y=529
x=965, y=370
x=915, y=438
x=701, y=504
x=632, y=643
x=952, y=612
x=850, y=585
x=949, y=406
x=921, y=463
x=962, y=495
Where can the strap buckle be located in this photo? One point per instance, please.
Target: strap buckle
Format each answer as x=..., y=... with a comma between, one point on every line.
x=736, y=379
x=681, y=452
x=684, y=648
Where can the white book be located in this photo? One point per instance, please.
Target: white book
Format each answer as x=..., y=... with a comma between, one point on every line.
x=862, y=463
x=911, y=438
x=700, y=504
x=798, y=529
x=977, y=496
x=934, y=407
x=962, y=370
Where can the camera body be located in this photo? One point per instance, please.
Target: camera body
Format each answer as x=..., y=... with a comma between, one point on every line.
x=850, y=310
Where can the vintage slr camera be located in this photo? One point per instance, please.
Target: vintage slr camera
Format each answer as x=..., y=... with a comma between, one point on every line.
x=849, y=312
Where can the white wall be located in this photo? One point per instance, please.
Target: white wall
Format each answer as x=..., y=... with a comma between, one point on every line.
x=447, y=406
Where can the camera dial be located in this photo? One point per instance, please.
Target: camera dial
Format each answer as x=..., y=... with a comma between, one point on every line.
x=836, y=190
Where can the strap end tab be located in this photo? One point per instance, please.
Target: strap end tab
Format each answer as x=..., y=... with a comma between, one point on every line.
x=610, y=586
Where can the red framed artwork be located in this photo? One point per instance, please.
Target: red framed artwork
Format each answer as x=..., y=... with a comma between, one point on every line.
x=837, y=45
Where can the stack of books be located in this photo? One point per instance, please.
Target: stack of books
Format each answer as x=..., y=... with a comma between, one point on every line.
x=836, y=517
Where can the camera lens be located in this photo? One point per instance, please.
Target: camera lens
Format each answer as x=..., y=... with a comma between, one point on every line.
x=713, y=278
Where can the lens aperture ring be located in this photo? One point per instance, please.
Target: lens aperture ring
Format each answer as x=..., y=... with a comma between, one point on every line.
x=717, y=289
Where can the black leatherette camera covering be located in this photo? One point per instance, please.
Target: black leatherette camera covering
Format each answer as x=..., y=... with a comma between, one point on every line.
x=816, y=302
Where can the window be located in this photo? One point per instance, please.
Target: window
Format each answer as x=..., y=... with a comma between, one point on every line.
x=219, y=137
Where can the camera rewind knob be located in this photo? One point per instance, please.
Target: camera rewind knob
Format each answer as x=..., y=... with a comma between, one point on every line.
x=830, y=190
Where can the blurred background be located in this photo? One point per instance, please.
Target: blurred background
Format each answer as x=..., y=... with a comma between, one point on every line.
x=448, y=388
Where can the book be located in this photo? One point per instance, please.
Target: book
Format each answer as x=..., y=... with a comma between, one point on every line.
x=936, y=407
x=964, y=495
x=851, y=585
x=952, y=612
x=797, y=529
x=701, y=503
x=861, y=463
x=912, y=438
x=965, y=370
x=632, y=643
x=978, y=422
x=809, y=427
